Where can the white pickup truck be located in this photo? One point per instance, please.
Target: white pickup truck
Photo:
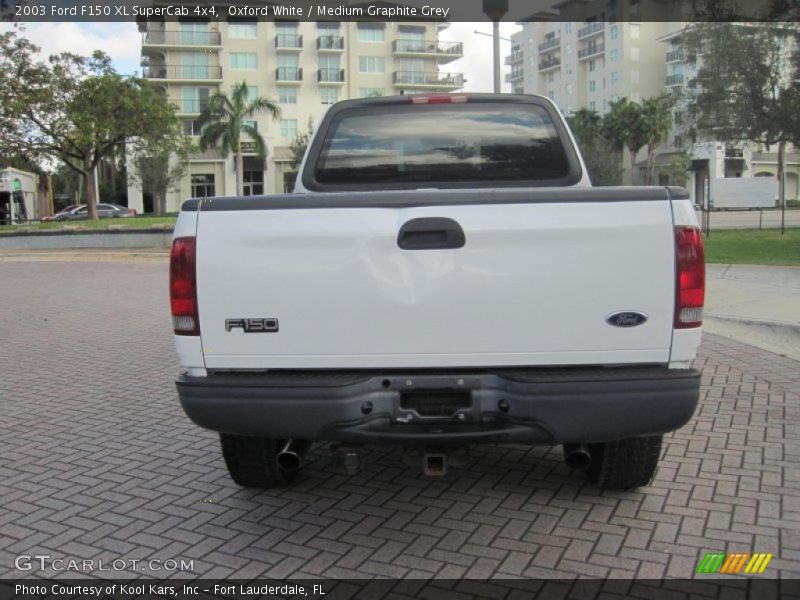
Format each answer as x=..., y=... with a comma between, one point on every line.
x=443, y=275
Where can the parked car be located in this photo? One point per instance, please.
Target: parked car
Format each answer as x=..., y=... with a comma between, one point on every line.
x=104, y=211
x=66, y=209
x=443, y=275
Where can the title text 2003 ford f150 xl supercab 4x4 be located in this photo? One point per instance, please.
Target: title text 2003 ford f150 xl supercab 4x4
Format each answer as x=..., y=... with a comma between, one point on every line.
x=444, y=275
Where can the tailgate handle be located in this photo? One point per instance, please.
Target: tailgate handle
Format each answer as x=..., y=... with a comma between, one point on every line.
x=430, y=233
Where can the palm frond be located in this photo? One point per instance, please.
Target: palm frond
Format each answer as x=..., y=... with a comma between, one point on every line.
x=258, y=140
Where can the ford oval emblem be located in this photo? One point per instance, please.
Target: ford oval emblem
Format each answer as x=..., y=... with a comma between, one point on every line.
x=628, y=318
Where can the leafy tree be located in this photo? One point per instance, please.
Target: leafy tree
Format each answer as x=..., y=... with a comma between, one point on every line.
x=76, y=109
x=604, y=167
x=300, y=143
x=678, y=168
x=747, y=84
x=225, y=120
x=160, y=170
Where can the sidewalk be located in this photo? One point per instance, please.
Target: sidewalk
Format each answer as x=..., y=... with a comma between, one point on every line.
x=757, y=305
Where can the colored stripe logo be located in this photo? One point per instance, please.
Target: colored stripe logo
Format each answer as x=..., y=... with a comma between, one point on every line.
x=734, y=563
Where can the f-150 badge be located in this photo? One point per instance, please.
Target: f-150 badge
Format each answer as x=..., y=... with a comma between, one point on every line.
x=252, y=325
x=628, y=318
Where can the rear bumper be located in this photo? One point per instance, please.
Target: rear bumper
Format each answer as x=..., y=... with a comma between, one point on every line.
x=546, y=406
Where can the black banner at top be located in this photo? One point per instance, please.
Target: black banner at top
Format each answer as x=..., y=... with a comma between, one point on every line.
x=400, y=10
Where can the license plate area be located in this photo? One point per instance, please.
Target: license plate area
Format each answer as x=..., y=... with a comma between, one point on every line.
x=434, y=404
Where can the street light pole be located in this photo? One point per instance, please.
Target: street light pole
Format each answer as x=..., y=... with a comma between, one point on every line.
x=495, y=10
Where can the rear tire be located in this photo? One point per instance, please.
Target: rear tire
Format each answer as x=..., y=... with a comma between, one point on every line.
x=625, y=464
x=251, y=461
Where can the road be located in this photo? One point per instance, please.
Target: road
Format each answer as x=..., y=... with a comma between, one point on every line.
x=99, y=462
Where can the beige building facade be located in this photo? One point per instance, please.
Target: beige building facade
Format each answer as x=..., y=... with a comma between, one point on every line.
x=304, y=67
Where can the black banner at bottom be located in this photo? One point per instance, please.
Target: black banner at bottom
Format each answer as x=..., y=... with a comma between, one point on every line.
x=401, y=589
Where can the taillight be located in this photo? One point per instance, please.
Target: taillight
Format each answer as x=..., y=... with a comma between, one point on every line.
x=690, y=277
x=131, y=212
x=183, y=287
x=438, y=98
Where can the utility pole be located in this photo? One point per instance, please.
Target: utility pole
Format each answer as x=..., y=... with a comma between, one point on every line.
x=495, y=10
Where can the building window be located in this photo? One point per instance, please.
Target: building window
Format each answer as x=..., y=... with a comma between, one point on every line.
x=591, y=65
x=569, y=89
x=568, y=27
x=252, y=92
x=634, y=31
x=614, y=32
x=287, y=95
x=203, y=186
x=552, y=95
x=329, y=95
x=614, y=55
x=371, y=64
x=289, y=128
x=240, y=61
x=568, y=49
x=592, y=105
x=253, y=183
x=677, y=141
x=371, y=32
x=250, y=122
x=551, y=77
x=592, y=86
x=191, y=127
x=242, y=30
x=569, y=68
x=369, y=92
x=634, y=53
x=614, y=77
x=634, y=76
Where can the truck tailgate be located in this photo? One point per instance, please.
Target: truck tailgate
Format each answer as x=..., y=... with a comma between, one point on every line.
x=537, y=276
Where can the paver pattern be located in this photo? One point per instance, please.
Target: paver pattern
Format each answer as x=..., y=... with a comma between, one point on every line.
x=98, y=461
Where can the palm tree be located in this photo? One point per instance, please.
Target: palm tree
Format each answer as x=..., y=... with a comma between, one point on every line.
x=225, y=120
x=656, y=122
x=585, y=125
x=623, y=128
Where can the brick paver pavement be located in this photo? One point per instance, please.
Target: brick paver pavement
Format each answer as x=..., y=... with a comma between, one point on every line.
x=98, y=461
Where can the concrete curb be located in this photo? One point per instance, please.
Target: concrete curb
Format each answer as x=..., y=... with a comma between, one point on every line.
x=150, y=237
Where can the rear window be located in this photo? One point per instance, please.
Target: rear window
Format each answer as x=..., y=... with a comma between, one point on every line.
x=420, y=145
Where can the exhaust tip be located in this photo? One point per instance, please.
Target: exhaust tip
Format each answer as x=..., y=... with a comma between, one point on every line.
x=577, y=456
x=288, y=461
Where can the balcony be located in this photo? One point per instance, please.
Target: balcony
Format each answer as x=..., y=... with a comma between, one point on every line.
x=675, y=55
x=673, y=80
x=515, y=75
x=210, y=39
x=330, y=43
x=289, y=41
x=191, y=107
x=182, y=72
x=550, y=63
x=549, y=44
x=591, y=50
x=443, y=51
x=428, y=80
x=330, y=76
x=515, y=57
x=288, y=74
x=591, y=29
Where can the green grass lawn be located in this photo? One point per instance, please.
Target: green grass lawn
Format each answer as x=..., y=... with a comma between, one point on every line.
x=129, y=222
x=753, y=247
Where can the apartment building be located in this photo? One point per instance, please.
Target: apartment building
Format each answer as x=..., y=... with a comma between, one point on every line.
x=712, y=160
x=587, y=64
x=303, y=66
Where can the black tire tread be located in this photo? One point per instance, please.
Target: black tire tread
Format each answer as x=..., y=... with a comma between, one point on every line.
x=251, y=461
x=625, y=464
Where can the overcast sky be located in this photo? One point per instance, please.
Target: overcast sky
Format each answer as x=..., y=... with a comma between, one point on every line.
x=122, y=42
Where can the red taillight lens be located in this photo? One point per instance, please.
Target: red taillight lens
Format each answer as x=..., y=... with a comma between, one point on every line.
x=183, y=287
x=690, y=281
x=131, y=212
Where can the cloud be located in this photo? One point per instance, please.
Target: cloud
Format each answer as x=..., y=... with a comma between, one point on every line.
x=121, y=41
x=477, y=62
